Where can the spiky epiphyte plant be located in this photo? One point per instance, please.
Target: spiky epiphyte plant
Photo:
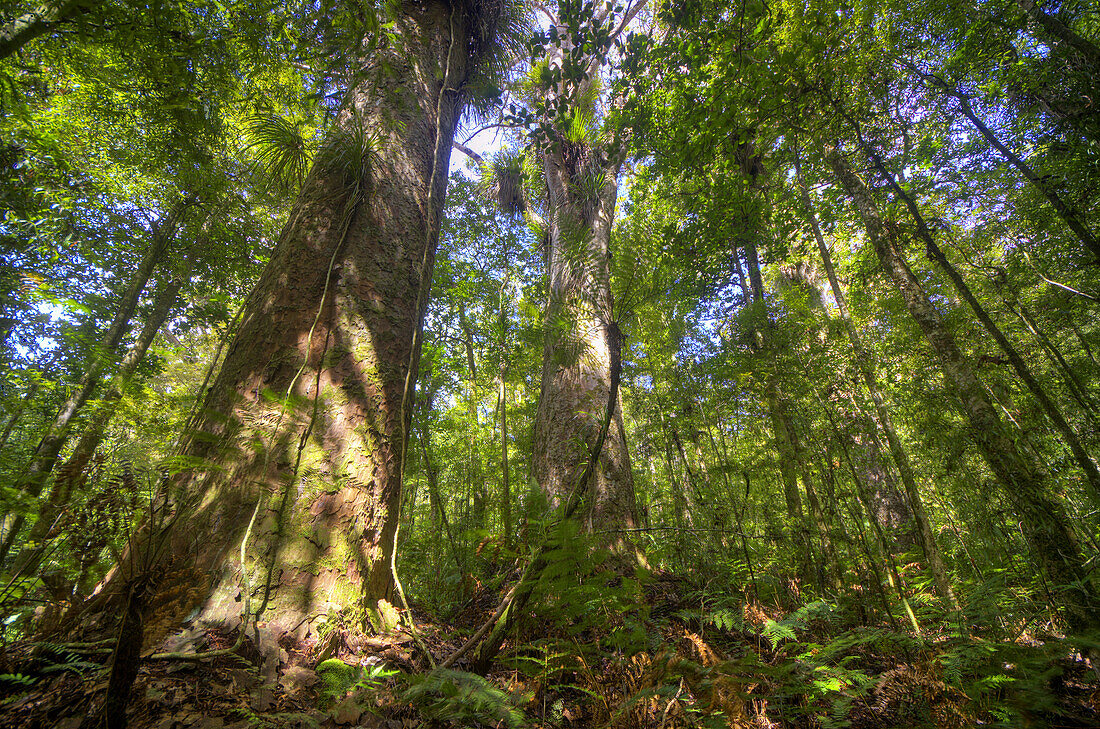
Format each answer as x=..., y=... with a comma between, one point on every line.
x=499, y=31
x=282, y=151
x=503, y=182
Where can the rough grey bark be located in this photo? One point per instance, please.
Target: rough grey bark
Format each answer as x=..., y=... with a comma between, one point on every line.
x=888, y=503
x=307, y=421
x=492, y=633
x=1042, y=519
x=583, y=342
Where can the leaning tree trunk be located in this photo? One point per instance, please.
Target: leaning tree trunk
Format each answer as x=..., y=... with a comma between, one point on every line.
x=1072, y=217
x=1043, y=519
x=72, y=473
x=1055, y=33
x=48, y=451
x=308, y=418
x=933, y=251
x=30, y=25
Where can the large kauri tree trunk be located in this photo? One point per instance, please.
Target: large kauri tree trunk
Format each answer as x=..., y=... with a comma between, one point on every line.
x=305, y=426
x=577, y=355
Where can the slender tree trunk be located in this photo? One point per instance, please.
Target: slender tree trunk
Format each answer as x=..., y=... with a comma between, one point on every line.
x=475, y=474
x=787, y=453
x=1072, y=382
x=48, y=451
x=1054, y=32
x=830, y=560
x=511, y=608
x=505, y=475
x=1071, y=217
x=505, y=471
x=1088, y=466
x=1023, y=481
x=883, y=548
x=434, y=495
x=308, y=418
x=28, y=397
x=925, y=534
x=1084, y=344
x=680, y=492
x=693, y=495
x=71, y=474
x=721, y=454
x=676, y=495
x=782, y=433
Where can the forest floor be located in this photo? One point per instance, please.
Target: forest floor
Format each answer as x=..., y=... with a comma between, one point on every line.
x=670, y=662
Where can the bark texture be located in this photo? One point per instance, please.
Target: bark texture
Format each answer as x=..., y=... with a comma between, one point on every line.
x=23, y=29
x=306, y=424
x=577, y=356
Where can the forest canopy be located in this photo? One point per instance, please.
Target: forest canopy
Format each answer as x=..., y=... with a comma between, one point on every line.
x=499, y=363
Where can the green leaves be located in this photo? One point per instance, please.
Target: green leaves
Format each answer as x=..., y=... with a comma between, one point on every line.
x=776, y=633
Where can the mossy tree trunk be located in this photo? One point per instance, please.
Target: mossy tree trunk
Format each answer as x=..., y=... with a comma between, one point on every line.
x=577, y=352
x=1023, y=371
x=306, y=425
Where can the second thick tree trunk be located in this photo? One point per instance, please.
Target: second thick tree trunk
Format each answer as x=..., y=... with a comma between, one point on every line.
x=577, y=356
